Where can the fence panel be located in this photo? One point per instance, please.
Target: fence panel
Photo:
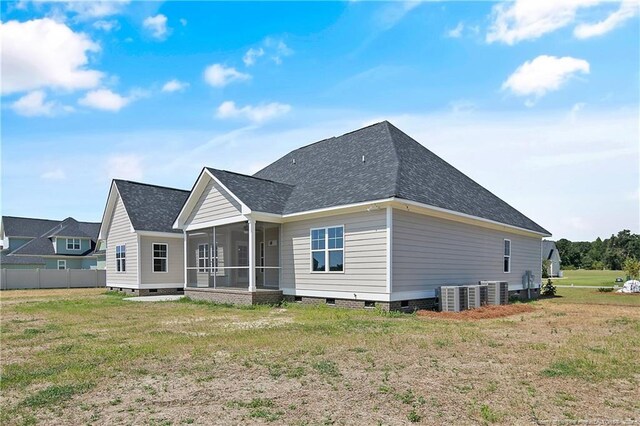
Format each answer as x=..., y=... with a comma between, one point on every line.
x=13, y=279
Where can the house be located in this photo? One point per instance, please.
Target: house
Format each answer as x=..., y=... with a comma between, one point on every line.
x=30, y=243
x=144, y=254
x=369, y=218
x=550, y=252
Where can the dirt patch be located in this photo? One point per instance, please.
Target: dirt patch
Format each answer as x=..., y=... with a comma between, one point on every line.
x=486, y=312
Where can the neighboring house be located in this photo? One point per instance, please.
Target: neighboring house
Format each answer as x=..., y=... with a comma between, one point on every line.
x=369, y=218
x=48, y=244
x=550, y=252
x=143, y=253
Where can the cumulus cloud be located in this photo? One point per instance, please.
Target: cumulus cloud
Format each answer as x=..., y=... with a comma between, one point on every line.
x=106, y=25
x=43, y=53
x=528, y=20
x=34, y=104
x=255, y=114
x=218, y=75
x=628, y=9
x=456, y=32
x=157, y=26
x=544, y=74
x=249, y=58
x=106, y=100
x=271, y=48
x=56, y=174
x=174, y=86
x=86, y=10
x=125, y=167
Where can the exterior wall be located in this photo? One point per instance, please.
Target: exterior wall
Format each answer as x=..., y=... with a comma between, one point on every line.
x=175, y=261
x=52, y=263
x=365, y=250
x=429, y=252
x=21, y=266
x=214, y=204
x=120, y=232
x=61, y=246
x=16, y=243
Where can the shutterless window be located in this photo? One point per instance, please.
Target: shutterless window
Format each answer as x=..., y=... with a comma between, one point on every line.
x=203, y=257
x=62, y=264
x=327, y=249
x=160, y=257
x=73, y=243
x=507, y=256
x=121, y=265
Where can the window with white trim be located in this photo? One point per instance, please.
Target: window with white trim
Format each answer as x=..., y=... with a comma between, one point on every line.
x=327, y=249
x=73, y=243
x=160, y=251
x=203, y=258
x=62, y=264
x=507, y=256
x=121, y=254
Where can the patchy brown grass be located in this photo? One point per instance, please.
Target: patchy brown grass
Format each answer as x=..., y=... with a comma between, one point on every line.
x=89, y=358
x=485, y=312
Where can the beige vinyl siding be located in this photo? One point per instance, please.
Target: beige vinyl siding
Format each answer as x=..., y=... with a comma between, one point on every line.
x=429, y=252
x=175, y=261
x=365, y=250
x=120, y=233
x=214, y=204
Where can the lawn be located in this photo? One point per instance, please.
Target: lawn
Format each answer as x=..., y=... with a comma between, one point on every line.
x=597, y=278
x=87, y=357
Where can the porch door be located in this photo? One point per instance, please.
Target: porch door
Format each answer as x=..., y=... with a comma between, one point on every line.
x=242, y=253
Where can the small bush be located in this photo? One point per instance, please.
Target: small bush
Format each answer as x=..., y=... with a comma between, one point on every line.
x=605, y=289
x=548, y=289
x=414, y=417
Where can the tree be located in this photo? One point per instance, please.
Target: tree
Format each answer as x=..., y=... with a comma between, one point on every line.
x=632, y=268
x=545, y=268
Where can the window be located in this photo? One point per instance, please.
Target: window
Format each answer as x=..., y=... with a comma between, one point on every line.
x=62, y=264
x=327, y=249
x=160, y=257
x=507, y=256
x=203, y=258
x=73, y=243
x=121, y=265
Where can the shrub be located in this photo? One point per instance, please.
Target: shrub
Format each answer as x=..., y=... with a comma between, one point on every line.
x=632, y=268
x=545, y=268
x=548, y=289
x=605, y=289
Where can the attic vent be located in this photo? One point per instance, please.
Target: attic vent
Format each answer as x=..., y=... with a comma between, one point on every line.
x=293, y=161
x=363, y=158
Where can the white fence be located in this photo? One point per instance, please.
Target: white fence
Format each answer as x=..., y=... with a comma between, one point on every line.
x=14, y=279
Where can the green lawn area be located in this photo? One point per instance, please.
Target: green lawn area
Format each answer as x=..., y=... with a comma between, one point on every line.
x=86, y=357
x=590, y=277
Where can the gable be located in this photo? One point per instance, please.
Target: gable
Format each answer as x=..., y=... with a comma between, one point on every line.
x=215, y=203
x=119, y=222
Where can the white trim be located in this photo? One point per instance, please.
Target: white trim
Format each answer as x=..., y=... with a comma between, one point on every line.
x=64, y=262
x=330, y=209
x=73, y=243
x=326, y=250
x=245, y=209
x=144, y=286
x=159, y=234
x=186, y=258
x=139, y=258
x=350, y=295
x=111, y=204
x=115, y=253
x=153, y=271
x=212, y=223
x=252, y=254
x=507, y=255
x=389, y=249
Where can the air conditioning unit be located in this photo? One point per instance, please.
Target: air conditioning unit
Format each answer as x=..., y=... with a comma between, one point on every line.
x=453, y=298
x=497, y=292
x=474, y=299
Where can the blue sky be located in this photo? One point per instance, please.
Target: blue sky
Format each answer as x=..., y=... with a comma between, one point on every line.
x=536, y=102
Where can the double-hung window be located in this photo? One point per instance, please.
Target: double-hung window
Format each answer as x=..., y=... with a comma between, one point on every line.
x=160, y=251
x=203, y=258
x=73, y=243
x=62, y=264
x=507, y=256
x=327, y=249
x=121, y=253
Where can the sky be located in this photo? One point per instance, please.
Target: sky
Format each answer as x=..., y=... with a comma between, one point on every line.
x=536, y=101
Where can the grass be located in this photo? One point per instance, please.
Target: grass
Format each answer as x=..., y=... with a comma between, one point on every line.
x=83, y=356
x=586, y=277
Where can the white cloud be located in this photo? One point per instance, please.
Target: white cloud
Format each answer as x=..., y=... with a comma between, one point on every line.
x=249, y=58
x=43, y=53
x=106, y=100
x=543, y=74
x=56, y=174
x=34, y=104
x=278, y=49
x=157, y=26
x=86, y=10
x=456, y=32
x=127, y=166
x=106, y=25
x=530, y=19
x=217, y=75
x=183, y=22
x=255, y=114
x=174, y=86
x=628, y=9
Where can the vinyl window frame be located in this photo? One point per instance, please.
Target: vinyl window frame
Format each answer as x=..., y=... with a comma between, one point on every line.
x=165, y=258
x=506, y=259
x=73, y=244
x=62, y=262
x=326, y=250
x=205, y=258
x=121, y=261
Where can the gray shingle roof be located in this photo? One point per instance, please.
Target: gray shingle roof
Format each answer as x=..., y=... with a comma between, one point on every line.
x=331, y=173
x=26, y=226
x=5, y=259
x=151, y=207
x=547, y=249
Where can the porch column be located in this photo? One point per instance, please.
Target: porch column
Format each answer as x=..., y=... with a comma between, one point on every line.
x=252, y=254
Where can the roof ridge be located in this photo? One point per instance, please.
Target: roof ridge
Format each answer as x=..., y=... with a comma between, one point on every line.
x=388, y=126
x=249, y=176
x=151, y=185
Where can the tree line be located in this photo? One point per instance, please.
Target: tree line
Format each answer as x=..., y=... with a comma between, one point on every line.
x=599, y=254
